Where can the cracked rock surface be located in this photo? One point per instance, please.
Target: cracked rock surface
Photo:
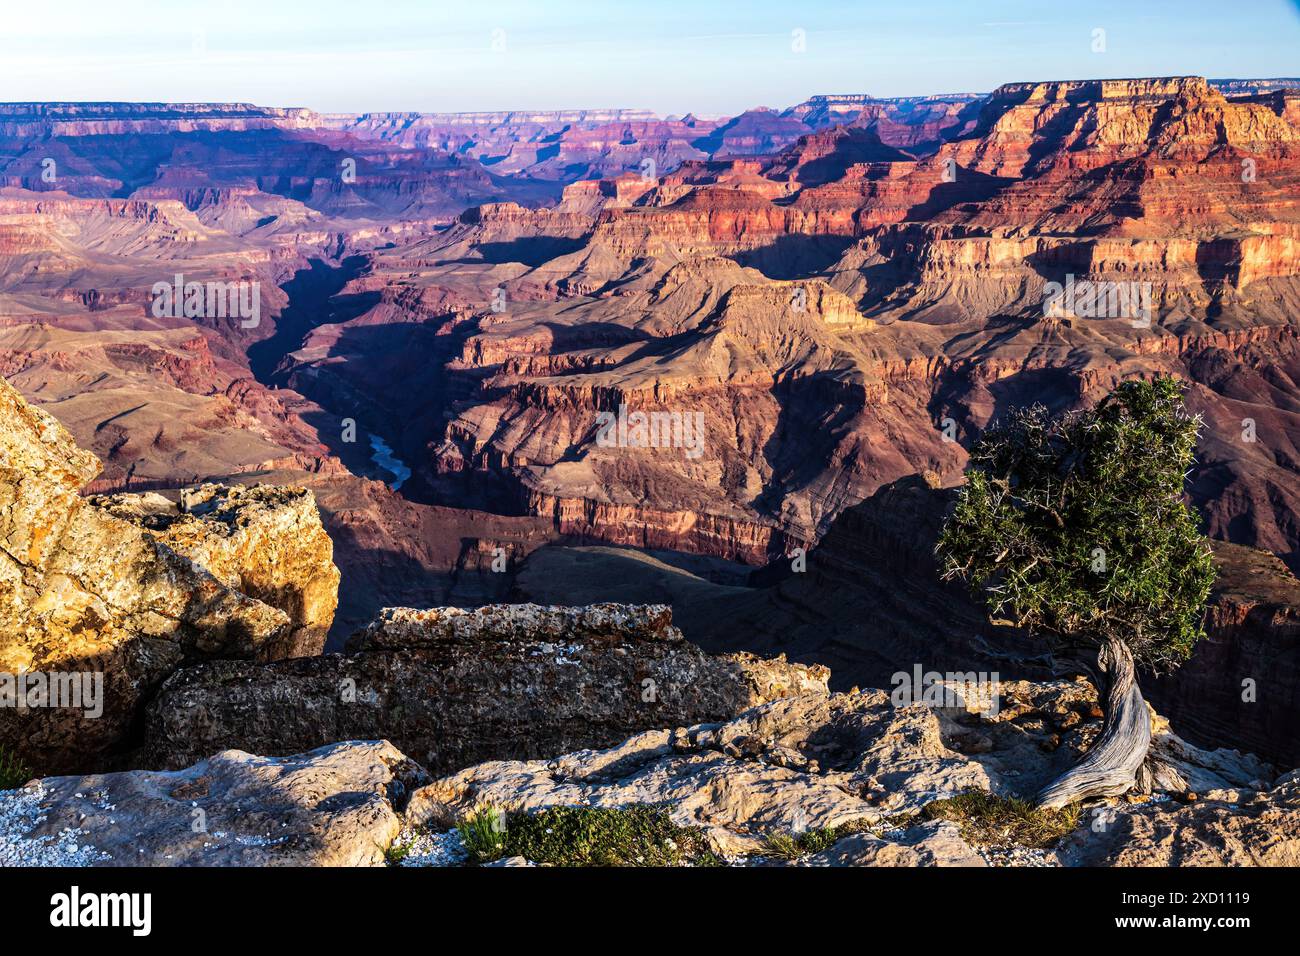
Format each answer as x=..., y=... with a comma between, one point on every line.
x=336, y=806
x=826, y=760
x=84, y=590
x=452, y=688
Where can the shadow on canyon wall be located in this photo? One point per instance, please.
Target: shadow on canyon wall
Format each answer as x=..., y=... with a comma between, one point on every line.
x=870, y=604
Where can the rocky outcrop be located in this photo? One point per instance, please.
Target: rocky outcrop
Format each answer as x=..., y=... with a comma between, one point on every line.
x=336, y=806
x=98, y=605
x=452, y=687
x=862, y=773
x=1222, y=828
x=852, y=761
x=266, y=542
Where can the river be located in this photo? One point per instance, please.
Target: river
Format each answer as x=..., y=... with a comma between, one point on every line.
x=382, y=455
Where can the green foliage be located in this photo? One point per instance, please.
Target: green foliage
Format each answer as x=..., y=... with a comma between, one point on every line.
x=398, y=851
x=484, y=834
x=1075, y=527
x=590, y=836
x=13, y=773
x=792, y=846
x=988, y=820
x=783, y=845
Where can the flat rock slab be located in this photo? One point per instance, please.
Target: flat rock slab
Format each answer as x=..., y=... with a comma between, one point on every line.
x=937, y=843
x=335, y=806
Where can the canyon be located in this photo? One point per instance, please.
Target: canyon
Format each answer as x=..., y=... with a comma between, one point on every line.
x=396, y=474
x=738, y=752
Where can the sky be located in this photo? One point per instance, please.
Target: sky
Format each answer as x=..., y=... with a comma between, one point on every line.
x=671, y=56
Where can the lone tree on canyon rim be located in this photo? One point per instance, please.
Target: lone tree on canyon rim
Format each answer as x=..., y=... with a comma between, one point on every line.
x=1074, y=527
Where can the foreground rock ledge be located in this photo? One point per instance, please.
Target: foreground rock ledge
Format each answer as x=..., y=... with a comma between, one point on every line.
x=336, y=806
x=797, y=763
x=820, y=760
x=452, y=687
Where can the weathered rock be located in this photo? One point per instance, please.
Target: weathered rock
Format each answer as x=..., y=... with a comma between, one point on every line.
x=937, y=843
x=785, y=767
x=336, y=806
x=1226, y=828
x=266, y=542
x=818, y=761
x=85, y=593
x=452, y=688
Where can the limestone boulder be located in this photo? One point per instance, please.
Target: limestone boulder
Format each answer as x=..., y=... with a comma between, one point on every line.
x=264, y=541
x=452, y=688
x=336, y=806
x=96, y=602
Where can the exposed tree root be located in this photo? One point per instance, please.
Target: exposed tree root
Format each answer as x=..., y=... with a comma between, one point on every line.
x=1111, y=766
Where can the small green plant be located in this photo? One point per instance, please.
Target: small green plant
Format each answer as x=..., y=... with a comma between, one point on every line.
x=605, y=836
x=783, y=846
x=13, y=772
x=989, y=820
x=398, y=850
x=484, y=834
x=792, y=846
x=586, y=836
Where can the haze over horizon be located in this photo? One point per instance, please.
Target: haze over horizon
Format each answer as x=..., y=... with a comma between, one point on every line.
x=675, y=57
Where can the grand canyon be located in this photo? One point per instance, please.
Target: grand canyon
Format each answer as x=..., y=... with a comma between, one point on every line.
x=517, y=463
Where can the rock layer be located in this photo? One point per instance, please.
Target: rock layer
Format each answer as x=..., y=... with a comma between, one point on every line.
x=452, y=687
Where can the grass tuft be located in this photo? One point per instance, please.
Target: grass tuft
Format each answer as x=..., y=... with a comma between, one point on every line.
x=398, y=851
x=792, y=846
x=988, y=820
x=484, y=834
x=13, y=772
x=586, y=836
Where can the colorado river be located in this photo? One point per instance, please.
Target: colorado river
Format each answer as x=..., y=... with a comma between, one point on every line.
x=383, y=456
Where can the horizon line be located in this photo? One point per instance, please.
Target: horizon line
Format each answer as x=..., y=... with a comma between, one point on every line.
x=638, y=109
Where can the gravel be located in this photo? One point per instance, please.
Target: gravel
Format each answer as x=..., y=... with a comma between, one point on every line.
x=20, y=812
x=433, y=849
x=1021, y=856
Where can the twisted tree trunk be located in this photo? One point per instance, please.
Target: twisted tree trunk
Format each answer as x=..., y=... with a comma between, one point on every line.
x=1111, y=766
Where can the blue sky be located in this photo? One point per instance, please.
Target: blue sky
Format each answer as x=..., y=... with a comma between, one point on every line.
x=667, y=55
